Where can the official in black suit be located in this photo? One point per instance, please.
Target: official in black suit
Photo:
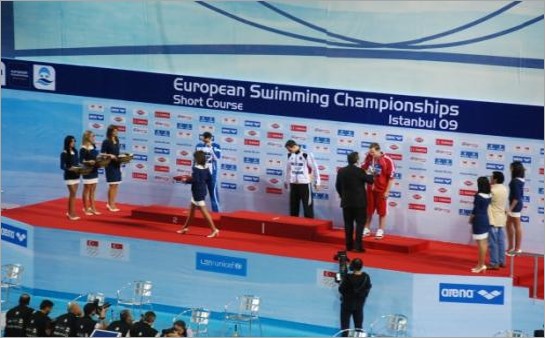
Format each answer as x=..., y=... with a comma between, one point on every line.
x=350, y=186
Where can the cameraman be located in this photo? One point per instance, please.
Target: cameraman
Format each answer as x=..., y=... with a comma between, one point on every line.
x=354, y=289
x=144, y=327
x=86, y=324
x=124, y=324
x=65, y=325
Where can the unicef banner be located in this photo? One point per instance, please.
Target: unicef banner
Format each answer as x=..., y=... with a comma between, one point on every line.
x=440, y=146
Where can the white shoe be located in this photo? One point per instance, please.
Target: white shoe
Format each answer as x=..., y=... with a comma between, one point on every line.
x=379, y=234
x=112, y=209
x=366, y=232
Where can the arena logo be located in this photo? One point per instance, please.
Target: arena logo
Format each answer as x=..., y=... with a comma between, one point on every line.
x=444, y=142
x=274, y=135
x=96, y=117
x=541, y=190
x=417, y=187
x=118, y=110
x=249, y=178
x=253, y=124
x=471, y=293
x=163, y=151
x=228, y=186
x=417, y=207
x=320, y=196
x=365, y=144
x=251, y=142
x=495, y=166
x=229, y=167
x=207, y=119
x=14, y=235
x=140, y=113
x=343, y=151
x=298, y=128
x=184, y=126
x=229, y=131
x=393, y=137
x=230, y=120
x=419, y=150
x=139, y=157
x=345, y=132
x=540, y=210
x=541, y=151
x=140, y=122
x=495, y=147
x=523, y=159
x=395, y=194
x=251, y=160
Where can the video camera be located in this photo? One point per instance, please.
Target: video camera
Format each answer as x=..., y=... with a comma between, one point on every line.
x=343, y=260
x=98, y=307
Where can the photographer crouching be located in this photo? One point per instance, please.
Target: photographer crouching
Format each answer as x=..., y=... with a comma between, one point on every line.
x=354, y=289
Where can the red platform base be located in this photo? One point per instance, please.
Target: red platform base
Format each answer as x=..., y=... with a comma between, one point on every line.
x=158, y=213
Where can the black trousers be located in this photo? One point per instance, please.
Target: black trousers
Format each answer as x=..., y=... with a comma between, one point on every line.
x=351, y=215
x=301, y=193
x=355, y=313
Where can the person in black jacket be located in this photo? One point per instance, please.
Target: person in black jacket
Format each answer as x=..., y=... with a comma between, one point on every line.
x=123, y=325
x=66, y=324
x=17, y=318
x=354, y=289
x=143, y=327
x=86, y=324
x=69, y=163
x=350, y=185
x=40, y=325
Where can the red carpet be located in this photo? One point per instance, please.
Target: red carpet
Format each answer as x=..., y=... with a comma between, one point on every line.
x=431, y=257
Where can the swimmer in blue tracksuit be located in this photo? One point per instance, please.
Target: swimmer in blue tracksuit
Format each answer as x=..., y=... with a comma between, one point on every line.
x=212, y=151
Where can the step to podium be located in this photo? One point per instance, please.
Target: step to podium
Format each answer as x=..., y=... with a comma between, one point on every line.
x=388, y=243
x=274, y=224
x=172, y=215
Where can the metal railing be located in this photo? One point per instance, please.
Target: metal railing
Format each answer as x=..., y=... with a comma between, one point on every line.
x=536, y=267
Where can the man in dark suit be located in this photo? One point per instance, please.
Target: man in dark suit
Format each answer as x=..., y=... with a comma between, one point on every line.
x=350, y=186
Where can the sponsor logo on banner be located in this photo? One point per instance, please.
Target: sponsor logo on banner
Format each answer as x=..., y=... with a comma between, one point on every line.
x=465, y=212
x=161, y=168
x=139, y=157
x=395, y=194
x=345, y=142
x=523, y=159
x=326, y=279
x=393, y=147
x=467, y=192
x=417, y=159
x=274, y=172
x=104, y=249
x=397, y=175
x=229, y=175
x=540, y=210
x=140, y=121
x=229, y=186
x=468, y=164
x=526, y=199
x=19, y=75
x=365, y=144
x=442, y=190
x=140, y=130
x=95, y=117
x=184, y=134
x=495, y=166
x=471, y=293
x=274, y=135
x=323, y=149
x=322, y=130
x=139, y=148
x=525, y=219
x=207, y=119
x=345, y=132
x=221, y=264
x=298, y=128
x=419, y=150
x=44, y=77
x=140, y=166
x=117, y=250
x=162, y=115
x=229, y=140
x=495, y=157
x=140, y=113
x=320, y=196
x=252, y=133
x=441, y=209
x=229, y=120
x=95, y=107
x=227, y=159
x=393, y=204
x=470, y=144
x=206, y=128
x=118, y=119
x=96, y=126
x=446, y=152
x=161, y=159
x=183, y=162
x=415, y=178
x=140, y=176
x=495, y=147
x=417, y=207
x=541, y=190
x=275, y=125
x=395, y=157
x=467, y=183
x=522, y=149
x=162, y=133
x=275, y=162
x=229, y=167
x=14, y=235
x=2, y=74
x=164, y=151
x=251, y=160
x=419, y=139
x=444, y=142
x=393, y=137
x=274, y=181
x=184, y=117
x=253, y=124
x=417, y=197
x=322, y=140
x=443, y=161
x=162, y=179
x=250, y=178
x=251, y=188
x=469, y=154
x=442, y=199
x=274, y=191
x=251, y=142
x=229, y=131
x=162, y=124
x=184, y=126
x=254, y=169
x=417, y=187
x=118, y=110
x=121, y=129
x=342, y=151
x=372, y=134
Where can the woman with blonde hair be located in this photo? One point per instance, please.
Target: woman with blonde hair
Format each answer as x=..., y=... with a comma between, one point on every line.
x=88, y=155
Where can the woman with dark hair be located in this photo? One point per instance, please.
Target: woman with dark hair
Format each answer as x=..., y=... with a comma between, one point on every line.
x=88, y=155
x=199, y=185
x=69, y=163
x=110, y=146
x=516, y=192
x=480, y=222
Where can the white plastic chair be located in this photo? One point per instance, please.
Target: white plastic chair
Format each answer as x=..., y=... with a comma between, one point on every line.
x=247, y=312
x=199, y=318
x=392, y=325
x=12, y=275
x=135, y=295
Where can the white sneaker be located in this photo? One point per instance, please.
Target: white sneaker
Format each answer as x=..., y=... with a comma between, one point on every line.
x=366, y=232
x=379, y=234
